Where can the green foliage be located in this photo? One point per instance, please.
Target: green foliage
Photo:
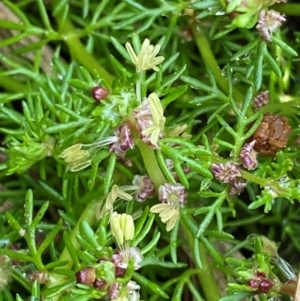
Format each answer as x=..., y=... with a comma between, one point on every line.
x=55, y=210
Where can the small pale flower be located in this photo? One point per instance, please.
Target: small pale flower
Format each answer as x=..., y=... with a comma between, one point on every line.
x=269, y=22
x=249, y=156
x=173, y=197
x=76, y=158
x=261, y=100
x=117, y=292
x=225, y=173
x=237, y=187
x=144, y=187
x=122, y=257
x=112, y=196
x=150, y=120
x=146, y=59
x=122, y=227
x=114, y=291
x=123, y=142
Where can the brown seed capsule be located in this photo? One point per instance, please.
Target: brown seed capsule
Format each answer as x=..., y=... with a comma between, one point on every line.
x=99, y=93
x=272, y=135
x=86, y=275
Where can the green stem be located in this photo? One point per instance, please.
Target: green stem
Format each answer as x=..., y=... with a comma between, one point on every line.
x=290, y=9
x=139, y=81
x=205, y=274
x=210, y=61
x=79, y=52
x=151, y=164
x=265, y=182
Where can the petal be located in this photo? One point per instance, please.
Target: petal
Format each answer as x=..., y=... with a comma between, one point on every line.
x=124, y=196
x=131, y=53
x=157, y=60
x=158, y=208
x=155, y=50
x=78, y=155
x=79, y=165
x=171, y=223
x=68, y=151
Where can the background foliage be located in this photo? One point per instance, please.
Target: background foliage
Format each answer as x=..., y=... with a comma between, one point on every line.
x=52, y=55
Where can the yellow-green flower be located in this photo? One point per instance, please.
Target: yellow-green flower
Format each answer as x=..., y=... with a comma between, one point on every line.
x=112, y=196
x=122, y=227
x=168, y=214
x=173, y=197
x=156, y=129
x=146, y=58
x=76, y=158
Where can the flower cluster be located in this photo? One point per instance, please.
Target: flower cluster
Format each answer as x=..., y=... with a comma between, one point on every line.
x=76, y=158
x=269, y=22
x=123, y=141
x=150, y=120
x=103, y=275
x=225, y=173
x=146, y=58
x=144, y=187
x=245, y=12
x=260, y=283
x=229, y=173
x=173, y=197
x=122, y=228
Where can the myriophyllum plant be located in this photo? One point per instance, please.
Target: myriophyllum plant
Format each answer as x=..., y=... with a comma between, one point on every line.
x=156, y=157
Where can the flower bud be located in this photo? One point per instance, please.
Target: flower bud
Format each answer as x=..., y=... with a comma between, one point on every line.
x=99, y=93
x=266, y=285
x=269, y=22
x=248, y=156
x=100, y=284
x=122, y=227
x=86, y=275
x=261, y=100
x=253, y=283
x=237, y=186
x=225, y=173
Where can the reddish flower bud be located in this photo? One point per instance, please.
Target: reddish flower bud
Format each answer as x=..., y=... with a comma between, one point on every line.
x=86, y=276
x=253, y=283
x=100, y=285
x=99, y=93
x=261, y=275
x=120, y=272
x=266, y=285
